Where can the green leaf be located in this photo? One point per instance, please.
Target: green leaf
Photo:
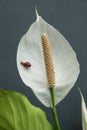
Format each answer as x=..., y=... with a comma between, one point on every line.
x=17, y=113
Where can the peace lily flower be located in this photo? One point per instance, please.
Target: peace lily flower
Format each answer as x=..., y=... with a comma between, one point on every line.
x=84, y=113
x=32, y=65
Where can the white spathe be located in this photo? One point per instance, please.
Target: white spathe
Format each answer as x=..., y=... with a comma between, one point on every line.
x=64, y=58
x=84, y=113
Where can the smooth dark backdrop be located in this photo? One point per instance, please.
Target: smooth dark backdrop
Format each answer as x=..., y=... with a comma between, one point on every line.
x=70, y=18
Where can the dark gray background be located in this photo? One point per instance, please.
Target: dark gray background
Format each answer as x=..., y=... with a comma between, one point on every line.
x=70, y=18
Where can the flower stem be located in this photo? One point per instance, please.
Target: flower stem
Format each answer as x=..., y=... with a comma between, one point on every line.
x=54, y=109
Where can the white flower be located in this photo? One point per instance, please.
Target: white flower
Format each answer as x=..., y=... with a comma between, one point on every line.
x=64, y=58
x=84, y=113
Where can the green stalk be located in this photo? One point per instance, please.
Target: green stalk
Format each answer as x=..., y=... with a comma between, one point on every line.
x=54, y=109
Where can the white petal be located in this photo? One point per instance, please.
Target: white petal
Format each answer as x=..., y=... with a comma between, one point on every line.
x=65, y=62
x=84, y=113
